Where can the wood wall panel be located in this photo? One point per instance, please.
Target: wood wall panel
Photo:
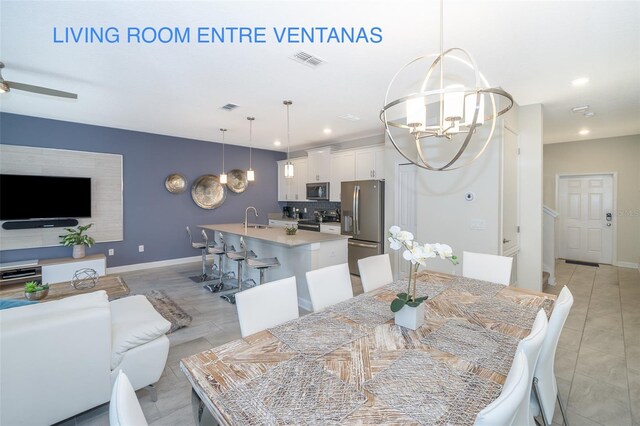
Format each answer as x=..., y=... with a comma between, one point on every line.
x=105, y=171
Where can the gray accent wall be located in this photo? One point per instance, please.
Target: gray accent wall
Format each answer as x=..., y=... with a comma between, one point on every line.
x=153, y=217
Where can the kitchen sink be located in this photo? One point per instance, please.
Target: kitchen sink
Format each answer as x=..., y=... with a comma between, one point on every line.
x=256, y=226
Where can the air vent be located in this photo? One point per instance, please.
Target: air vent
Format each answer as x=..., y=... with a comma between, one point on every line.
x=349, y=117
x=229, y=107
x=307, y=59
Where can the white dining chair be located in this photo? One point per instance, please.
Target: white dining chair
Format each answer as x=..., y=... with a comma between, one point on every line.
x=502, y=411
x=328, y=286
x=531, y=346
x=545, y=386
x=487, y=267
x=124, y=408
x=375, y=271
x=267, y=305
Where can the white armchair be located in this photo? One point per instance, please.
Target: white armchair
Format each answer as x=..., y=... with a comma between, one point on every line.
x=66, y=354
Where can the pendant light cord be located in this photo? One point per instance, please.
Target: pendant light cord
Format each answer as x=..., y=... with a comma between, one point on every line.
x=223, y=131
x=250, y=137
x=288, y=131
x=441, y=62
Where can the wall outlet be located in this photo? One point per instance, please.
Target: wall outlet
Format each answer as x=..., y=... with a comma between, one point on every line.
x=140, y=249
x=111, y=252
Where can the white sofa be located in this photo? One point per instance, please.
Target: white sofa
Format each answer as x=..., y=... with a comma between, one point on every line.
x=60, y=358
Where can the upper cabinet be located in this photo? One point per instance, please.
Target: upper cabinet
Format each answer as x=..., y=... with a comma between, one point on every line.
x=343, y=169
x=323, y=165
x=295, y=188
x=319, y=165
x=370, y=163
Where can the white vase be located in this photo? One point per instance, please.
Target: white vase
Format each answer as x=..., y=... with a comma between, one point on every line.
x=409, y=317
x=78, y=251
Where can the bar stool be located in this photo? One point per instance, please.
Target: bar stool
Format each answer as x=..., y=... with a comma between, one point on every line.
x=262, y=264
x=217, y=271
x=239, y=257
x=203, y=249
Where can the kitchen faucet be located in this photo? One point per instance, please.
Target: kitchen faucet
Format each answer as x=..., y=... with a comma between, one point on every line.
x=246, y=213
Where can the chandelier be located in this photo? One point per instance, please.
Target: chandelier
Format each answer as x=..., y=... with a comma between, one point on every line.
x=442, y=122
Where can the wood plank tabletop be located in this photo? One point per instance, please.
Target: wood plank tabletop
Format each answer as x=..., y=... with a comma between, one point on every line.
x=114, y=285
x=350, y=364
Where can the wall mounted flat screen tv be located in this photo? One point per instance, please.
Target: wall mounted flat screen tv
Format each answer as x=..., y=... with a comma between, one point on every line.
x=44, y=197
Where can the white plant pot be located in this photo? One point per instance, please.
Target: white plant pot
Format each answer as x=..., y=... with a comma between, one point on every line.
x=78, y=251
x=409, y=317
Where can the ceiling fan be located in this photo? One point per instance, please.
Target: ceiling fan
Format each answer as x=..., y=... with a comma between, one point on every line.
x=6, y=85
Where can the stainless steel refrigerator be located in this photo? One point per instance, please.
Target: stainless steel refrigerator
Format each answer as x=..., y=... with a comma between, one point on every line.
x=362, y=207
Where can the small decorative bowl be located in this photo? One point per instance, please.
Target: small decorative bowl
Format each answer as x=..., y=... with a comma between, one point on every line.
x=37, y=295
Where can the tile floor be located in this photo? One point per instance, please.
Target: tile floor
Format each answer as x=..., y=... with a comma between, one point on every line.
x=597, y=362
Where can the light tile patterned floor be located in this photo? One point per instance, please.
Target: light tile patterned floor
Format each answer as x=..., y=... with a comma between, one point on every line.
x=597, y=362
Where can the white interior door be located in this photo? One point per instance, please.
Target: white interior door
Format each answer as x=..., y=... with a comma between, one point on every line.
x=586, y=218
x=405, y=213
x=510, y=213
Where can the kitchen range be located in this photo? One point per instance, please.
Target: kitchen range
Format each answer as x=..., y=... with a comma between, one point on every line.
x=325, y=216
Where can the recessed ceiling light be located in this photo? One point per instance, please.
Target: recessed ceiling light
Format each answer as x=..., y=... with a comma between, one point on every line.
x=584, y=132
x=276, y=143
x=326, y=131
x=580, y=81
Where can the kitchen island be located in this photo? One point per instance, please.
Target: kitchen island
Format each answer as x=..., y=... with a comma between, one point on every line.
x=299, y=253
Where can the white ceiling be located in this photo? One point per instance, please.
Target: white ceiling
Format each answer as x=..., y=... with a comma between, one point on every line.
x=533, y=49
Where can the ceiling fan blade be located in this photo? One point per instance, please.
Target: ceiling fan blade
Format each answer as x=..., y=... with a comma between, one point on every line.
x=40, y=90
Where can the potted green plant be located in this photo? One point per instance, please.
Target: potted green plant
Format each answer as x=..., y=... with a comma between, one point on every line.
x=75, y=238
x=407, y=307
x=33, y=290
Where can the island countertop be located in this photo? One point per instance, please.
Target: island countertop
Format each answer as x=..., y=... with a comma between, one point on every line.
x=275, y=235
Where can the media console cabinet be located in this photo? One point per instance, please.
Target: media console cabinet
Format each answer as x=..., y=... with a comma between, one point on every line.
x=50, y=271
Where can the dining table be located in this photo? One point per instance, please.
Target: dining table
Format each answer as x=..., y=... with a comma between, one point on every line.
x=351, y=364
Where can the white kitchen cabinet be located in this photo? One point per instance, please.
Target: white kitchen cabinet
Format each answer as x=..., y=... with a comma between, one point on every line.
x=343, y=169
x=295, y=188
x=330, y=229
x=319, y=165
x=370, y=163
x=299, y=184
x=283, y=183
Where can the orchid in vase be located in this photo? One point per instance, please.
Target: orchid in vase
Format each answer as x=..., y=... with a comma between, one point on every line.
x=417, y=254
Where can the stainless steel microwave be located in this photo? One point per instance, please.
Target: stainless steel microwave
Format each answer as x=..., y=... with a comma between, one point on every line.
x=318, y=191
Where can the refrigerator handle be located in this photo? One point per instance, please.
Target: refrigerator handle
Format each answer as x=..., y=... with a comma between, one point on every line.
x=356, y=210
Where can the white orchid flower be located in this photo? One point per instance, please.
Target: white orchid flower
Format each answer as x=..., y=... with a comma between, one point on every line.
x=429, y=251
x=394, y=230
x=394, y=244
x=404, y=236
x=444, y=250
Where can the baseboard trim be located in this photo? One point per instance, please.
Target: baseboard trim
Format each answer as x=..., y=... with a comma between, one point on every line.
x=631, y=265
x=151, y=265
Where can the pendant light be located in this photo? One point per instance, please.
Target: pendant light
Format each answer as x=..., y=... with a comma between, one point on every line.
x=288, y=167
x=223, y=175
x=441, y=119
x=250, y=174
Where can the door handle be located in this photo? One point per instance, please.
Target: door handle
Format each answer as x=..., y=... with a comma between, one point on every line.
x=364, y=245
x=505, y=241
